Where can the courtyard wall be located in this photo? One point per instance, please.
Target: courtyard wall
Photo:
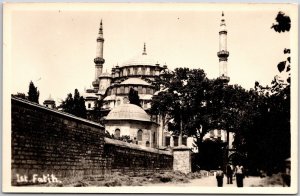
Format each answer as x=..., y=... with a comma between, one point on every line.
x=46, y=141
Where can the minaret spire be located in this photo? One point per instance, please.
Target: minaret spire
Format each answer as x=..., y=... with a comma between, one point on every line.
x=223, y=53
x=144, y=51
x=101, y=29
x=99, y=60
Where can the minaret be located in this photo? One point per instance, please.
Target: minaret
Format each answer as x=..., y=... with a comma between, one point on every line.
x=99, y=60
x=144, y=51
x=223, y=53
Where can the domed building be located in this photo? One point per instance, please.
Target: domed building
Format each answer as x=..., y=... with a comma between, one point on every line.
x=112, y=89
x=49, y=103
x=131, y=120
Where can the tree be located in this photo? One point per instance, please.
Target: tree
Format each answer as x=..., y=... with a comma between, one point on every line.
x=75, y=106
x=265, y=135
x=283, y=23
x=194, y=105
x=134, y=98
x=33, y=93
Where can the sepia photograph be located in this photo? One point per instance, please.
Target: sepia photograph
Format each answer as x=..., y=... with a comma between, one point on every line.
x=150, y=98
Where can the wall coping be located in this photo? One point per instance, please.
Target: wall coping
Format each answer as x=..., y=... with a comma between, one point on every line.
x=24, y=101
x=181, y=148
x=134, y=146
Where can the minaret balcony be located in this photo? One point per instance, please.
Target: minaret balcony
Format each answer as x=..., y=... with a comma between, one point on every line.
x=223, y=53
x=100, y=39
x=95, y=83
x=224, y=78
x=99, y=60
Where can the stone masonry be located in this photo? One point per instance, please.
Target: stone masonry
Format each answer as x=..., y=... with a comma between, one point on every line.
x=182, y=159
x=45, y=141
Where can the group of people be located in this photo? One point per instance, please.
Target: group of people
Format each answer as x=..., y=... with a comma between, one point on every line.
x=237, y=171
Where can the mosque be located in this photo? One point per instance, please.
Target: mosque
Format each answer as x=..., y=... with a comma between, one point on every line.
x=122, y=118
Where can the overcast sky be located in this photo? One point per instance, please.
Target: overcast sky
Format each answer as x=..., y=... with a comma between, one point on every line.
x=55, y=48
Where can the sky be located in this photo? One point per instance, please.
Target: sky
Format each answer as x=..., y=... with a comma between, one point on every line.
x=55, y=48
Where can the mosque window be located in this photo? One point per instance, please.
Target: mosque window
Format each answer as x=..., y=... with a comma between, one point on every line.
x=135, y=70
x=118, y=90
x=154, y=138
x=139, y=71
x=147, y=144
x=211, y=133
x=118, y=101
x=147, y=71
x=144, y=90
x=46, y=105
x=113, y=91
x=122, y=89
x=151, y=71
x=117, y=133
x=184, y=141
x=126, y=90
x=140, y=135
x=140, y=89
x=175, y=138
x=89, y=105
x=125, y=100
x=143, y=70
x=109, y=92
x=148, y=91
x=121, y=74
x=219, y=132
x=151, y=91
x=128, y=71
x=168, y=141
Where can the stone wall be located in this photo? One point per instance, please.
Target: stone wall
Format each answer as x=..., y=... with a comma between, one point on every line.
x=45, y=141
x=135, y=159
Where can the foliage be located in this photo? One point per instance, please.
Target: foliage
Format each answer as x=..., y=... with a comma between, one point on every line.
x=193, y=104
x=75, y=106
x=265, y=135
x=134, y=98
x=124, y=138
x=283, y=23
x=33, y=93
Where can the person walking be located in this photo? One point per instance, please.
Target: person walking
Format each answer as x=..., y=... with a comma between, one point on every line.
x=229, y=172
x=239, y=173
x=220, y=176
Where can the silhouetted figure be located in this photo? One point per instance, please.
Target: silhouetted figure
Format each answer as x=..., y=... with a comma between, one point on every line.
x=220, y=176
x=286, y=177
x=229, y=172
x=239, y=173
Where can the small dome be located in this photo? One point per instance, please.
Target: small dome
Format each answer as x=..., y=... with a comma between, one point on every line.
x=136, y=81
x=49, y=98
x=128, y=112
x=88, y=94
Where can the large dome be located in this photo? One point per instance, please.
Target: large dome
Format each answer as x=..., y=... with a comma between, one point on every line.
x=128, y=112
x=143, y=59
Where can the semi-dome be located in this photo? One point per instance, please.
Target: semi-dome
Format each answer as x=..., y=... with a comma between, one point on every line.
x=136, y=81
x=128, y=112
